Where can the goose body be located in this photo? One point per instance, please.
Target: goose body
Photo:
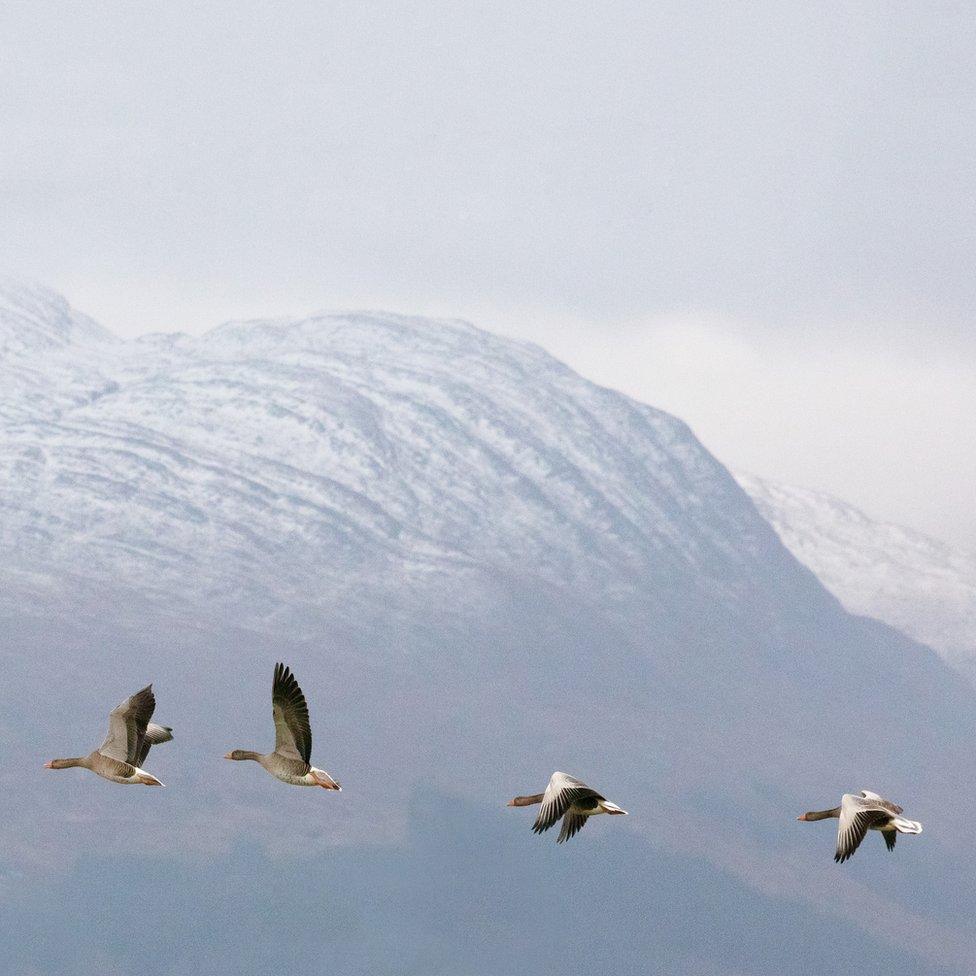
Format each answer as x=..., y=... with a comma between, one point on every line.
x=130, y=737
x=570, y=800
x=859, y=813
x=291, y=759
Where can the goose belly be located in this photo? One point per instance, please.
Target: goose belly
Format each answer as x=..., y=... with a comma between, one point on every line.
x=116, y=778
x=293, y=779
x=290, y=771
x=586, y=811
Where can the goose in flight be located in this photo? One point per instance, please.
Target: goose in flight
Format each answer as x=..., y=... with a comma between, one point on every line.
x=291, y=760
x=858, y=815
x=130, y=737
x=568, y=798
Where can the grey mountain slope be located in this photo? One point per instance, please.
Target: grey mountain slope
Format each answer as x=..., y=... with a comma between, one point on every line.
x=482, y=568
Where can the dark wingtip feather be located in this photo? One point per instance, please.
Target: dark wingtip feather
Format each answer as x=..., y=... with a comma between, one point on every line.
x=287, y=694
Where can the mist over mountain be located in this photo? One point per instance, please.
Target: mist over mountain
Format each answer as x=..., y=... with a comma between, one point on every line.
x=920, y=585
x=482, y=567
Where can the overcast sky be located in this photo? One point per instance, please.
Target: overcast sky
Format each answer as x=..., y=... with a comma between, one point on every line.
x=758, y=216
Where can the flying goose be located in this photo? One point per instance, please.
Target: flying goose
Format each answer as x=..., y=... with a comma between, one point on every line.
x=570, y=799
x=130, y=737
x=858, y=815
x=291, y=760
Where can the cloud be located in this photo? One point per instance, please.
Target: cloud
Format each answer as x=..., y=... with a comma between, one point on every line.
x=885, y=420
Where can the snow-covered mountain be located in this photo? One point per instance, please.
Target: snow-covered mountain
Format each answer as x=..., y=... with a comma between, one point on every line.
x=919, y=585
x=483, y=568
x=363, y=451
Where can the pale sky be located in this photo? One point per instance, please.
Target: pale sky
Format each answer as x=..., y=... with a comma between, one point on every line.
x=760, y=217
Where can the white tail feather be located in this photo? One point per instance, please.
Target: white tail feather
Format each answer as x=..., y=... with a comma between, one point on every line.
x=904, y=826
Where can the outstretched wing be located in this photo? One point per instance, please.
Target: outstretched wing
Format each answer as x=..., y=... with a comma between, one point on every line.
x=293, y=732
x=563, y=790
x=155, y=734
x=857, y=815
x=881, y=802
x=573, y=823
x=127, y=727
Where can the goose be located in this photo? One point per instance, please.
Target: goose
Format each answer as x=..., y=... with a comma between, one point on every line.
x=291, y=760
x=570, y=799
x=130, y=737
x=858, y=815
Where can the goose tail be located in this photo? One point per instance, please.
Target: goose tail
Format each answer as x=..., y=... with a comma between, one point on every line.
x=157, y=734
x=904, y=826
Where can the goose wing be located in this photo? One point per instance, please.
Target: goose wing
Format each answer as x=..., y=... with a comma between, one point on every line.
x=155, y=734
x=573, y=823
x=293, y=732
x=882, y=802
x=127, y=727
x=858, y=814
x=561, y=793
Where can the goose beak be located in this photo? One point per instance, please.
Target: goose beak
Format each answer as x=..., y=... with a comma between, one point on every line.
x=802, y=816
x=49, y=765
x=511, y=803
x=228, y=756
